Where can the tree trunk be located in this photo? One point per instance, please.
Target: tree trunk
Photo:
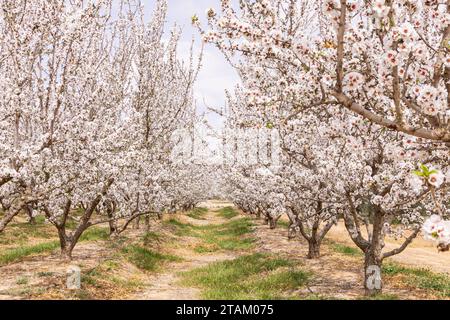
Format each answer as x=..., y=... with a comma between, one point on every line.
x=112, y=227
x=313, y=249
x=137, y=222
x=66, y=251
x=273, y=223
x=66, y=254
x=31, y=218
x=9, y=216
x=66, y=244
x=373, y=256
x=292, y=231
x=293, y=225
x=112, y=223
x=373, y=283
x=147, y=223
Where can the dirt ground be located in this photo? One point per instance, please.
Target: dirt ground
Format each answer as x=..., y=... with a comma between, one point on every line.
x=334, y=275
x=166, y=285
x=420, y=253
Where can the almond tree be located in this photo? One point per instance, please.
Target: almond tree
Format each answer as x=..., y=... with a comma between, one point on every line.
x=91, y=96
x=386, y=61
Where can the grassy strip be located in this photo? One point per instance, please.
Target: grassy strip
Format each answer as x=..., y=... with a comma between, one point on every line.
x=283, y=223
x=20, y=233
x=198, y=213
x=105, y=281
x=348, y=251
x=151, y=238
x=94, y=234
x=232, y=235
x=146, y=259
x=435, y=283
x=228, y=213
x=256, y=276
x=16, y=254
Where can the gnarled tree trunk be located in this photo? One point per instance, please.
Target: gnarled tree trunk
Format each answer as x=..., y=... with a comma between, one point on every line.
x=373, y=283
x=12, y=212
x=313, y=249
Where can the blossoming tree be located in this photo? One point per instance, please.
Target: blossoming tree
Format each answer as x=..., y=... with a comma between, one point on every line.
x=90, y=97
x=379, y=61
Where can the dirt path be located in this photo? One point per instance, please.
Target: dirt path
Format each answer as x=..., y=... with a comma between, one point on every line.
x=166, y=284
x=335, y=275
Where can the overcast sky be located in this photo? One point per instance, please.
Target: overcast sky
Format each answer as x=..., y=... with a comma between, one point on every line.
x=216, y=75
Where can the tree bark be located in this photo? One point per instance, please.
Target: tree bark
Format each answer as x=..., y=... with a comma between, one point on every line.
x=313, y=249
x=147, y=223
x=66, y=251
x=31, y=218
x=273, y=223
x=65, y=242
x=112, y=223
x=373, y=283
x=9, y=216
x=137, y=222
x=68, y=242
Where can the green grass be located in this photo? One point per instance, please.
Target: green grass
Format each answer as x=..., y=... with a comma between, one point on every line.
x=198, y=213
x=126, y=283
x=232, y=235
x=349, y=251
x=21, y=232
x=228, y=213
x=106, y=281
x=146, y=259
x=16, y=254
x=22, y=281
x=436, y=283
x=45, y=274
x=91, y=277
x=150, y=238
x=94, y=234
x=283, y=223
x=181, y=229
x=256, y=276
x=343, y=249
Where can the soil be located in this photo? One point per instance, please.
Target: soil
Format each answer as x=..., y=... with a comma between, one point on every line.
x=334, y=275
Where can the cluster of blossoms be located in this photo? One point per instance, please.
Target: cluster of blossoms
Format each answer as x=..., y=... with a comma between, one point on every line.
x=361, y=105
x=437, y=229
